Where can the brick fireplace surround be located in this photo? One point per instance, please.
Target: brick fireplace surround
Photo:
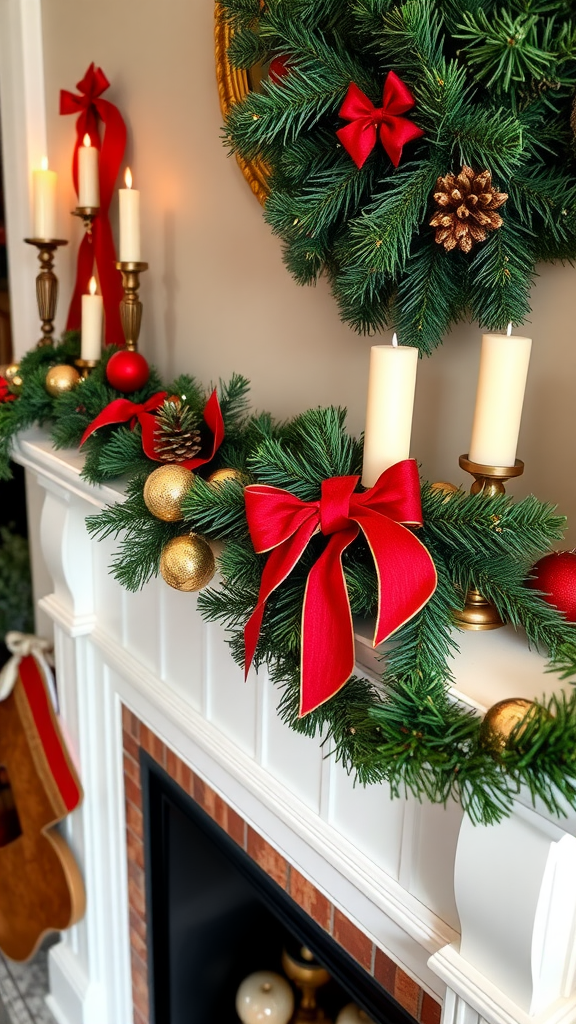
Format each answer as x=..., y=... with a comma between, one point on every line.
x=135, y=736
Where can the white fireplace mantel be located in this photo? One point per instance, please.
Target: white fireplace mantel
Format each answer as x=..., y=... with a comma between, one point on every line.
x=482, y=918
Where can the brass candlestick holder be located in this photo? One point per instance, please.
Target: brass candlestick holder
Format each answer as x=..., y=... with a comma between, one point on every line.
x=88, y=215
x=301, y=967
x=131, y=307
x=478, y=613
x=46, y=284
x=85, y=366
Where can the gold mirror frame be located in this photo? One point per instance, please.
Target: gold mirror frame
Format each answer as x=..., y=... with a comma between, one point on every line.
x=233, y=86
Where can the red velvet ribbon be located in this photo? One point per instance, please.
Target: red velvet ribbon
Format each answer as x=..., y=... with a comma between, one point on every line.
x=122, y=410
x=359, y=137
x=5, y=394
x=283, y=524
x=91, y=108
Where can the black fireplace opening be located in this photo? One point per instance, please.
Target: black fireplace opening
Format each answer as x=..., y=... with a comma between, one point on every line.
x=214, y=917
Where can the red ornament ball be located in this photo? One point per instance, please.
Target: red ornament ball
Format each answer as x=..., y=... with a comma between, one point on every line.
x=127, y=371
x=555, y=576
x=278, y=68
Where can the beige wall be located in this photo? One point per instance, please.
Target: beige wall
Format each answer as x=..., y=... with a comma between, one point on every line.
x=217, y=297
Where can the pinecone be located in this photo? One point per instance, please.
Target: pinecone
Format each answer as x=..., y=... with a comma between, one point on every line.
x=467, y=209
x=176, y=436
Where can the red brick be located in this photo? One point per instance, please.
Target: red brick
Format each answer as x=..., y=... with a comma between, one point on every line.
x=354, y=941
x=267, y=857
x=136, y=897
x=132, y=769
x=204, y=796
x=407, y=992
x=130, y=745
x=134, y=819
x=138, y=925
x=130, y=722
x=138, y=945
x=139, y=1018
x=180, y=772
x=307, y=896
x=385, y=971
x=133, y=792
x=135, y=849
x=153, y=745
x=140, y=994
x=431, y=1011
x=235, y=827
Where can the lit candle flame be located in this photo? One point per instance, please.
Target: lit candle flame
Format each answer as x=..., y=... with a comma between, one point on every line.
x=44, y=163
x=86, y=140
x=509, y=329
x=128, y=178
x=395, y=340
x=92, y=286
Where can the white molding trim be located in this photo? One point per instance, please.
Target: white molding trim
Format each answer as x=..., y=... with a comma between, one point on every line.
x=23, y=115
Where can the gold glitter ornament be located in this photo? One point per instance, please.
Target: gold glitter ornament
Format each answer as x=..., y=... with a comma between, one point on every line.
x=501, y=719
x=443, y=485
x=165, y=490
x=226, y=473
x=11, y=374
x=61, y=379
x=187, y=562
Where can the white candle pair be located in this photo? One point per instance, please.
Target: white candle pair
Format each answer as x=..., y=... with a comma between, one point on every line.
x=501, y=384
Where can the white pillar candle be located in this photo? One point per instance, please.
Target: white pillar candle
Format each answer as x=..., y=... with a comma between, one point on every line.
x=44, y=201
x=129, y=221
x=92, y=316
x=389, y=409
x=88, y=183
x=504, y=363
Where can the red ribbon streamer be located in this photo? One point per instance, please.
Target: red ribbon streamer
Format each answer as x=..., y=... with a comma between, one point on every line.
x=281, y=523
x=122, y=410
x=91, y=108
x=359, y=137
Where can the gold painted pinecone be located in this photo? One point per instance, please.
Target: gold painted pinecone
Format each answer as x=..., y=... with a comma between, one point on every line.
x=176, y=436
x=467, y=205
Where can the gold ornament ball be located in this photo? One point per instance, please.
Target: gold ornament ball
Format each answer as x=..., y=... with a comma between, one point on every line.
x=226, y=473
x=501, y=719
x=165, y=490
x=445, y=487
x=187, y=562
x=61, y=379
x=11, y=374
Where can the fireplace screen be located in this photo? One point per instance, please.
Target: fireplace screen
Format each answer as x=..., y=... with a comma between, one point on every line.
x=216, y=917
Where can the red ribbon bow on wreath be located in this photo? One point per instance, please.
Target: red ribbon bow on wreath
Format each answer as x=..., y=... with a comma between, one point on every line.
x=91, y=109
x=359, y=137
x=281, y=523
x=122, y=410
x=5, y=394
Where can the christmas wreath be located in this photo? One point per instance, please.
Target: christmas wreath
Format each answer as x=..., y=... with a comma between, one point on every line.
x=420, y=153
x=306, y=548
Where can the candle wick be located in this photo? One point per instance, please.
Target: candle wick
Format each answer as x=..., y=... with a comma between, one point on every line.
x=395, y=340
x=509, y=329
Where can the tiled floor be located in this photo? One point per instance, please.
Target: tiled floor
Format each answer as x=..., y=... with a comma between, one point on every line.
x=22, y=990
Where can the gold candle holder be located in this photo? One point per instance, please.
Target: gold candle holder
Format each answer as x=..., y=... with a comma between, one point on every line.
x=478, y=613
x=46, y=284
x=131, y=307
x=308, y=975
x=85, y=366
x=88, y=215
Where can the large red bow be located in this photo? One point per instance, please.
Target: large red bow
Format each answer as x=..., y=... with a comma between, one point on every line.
x=122, y=410
x=283, y=524
x=359, y=138
x=91, y=108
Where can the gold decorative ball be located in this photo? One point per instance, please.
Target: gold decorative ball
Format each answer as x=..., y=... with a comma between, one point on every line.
x=442, y=485
x=11, y=373
x=226, y=473
x=61, y=379
x=501, y=719
x=187, y=562
x=165, y=490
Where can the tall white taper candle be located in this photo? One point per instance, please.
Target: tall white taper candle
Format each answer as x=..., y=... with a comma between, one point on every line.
x=88, y=184
x=92, y=315
x=504, y=363
x=44, y=201
x=389, y=409
x=129, y=221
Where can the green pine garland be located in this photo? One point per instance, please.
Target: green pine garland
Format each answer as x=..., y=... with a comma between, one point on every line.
x=494, y=86
x=407, y=731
